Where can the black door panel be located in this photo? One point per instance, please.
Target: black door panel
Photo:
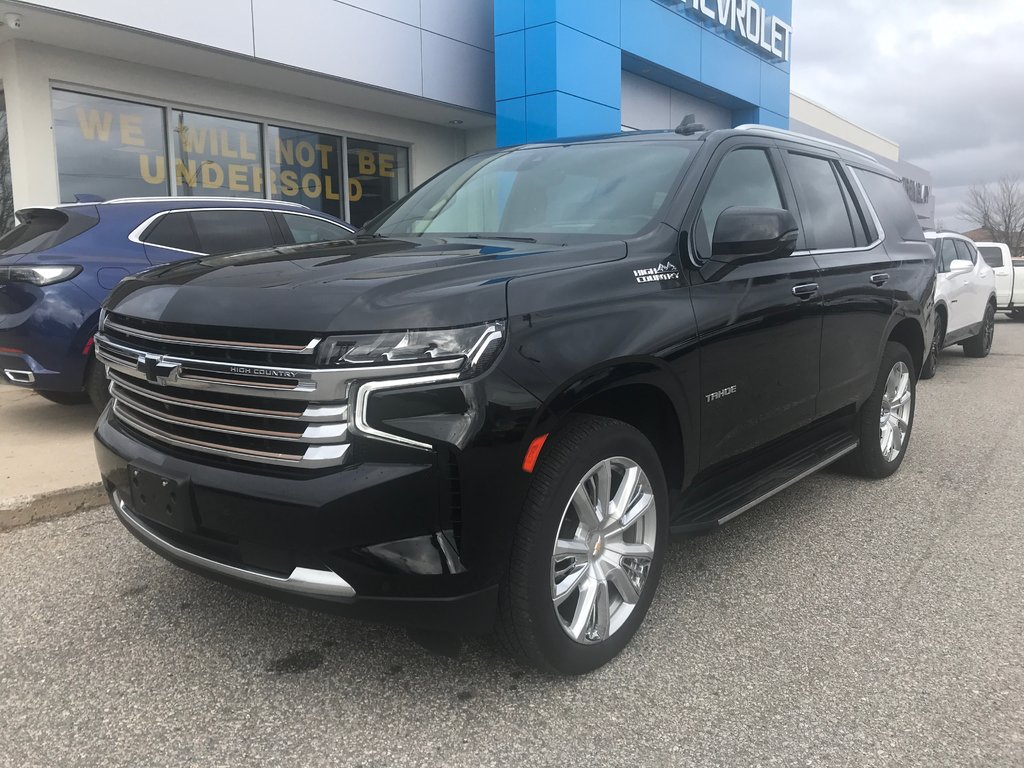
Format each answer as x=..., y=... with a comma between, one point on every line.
x=758, y=336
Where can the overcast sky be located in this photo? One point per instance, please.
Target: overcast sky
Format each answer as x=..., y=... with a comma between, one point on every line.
x=942, y=78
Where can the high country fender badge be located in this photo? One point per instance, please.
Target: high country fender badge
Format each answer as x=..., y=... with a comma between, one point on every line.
x=721, y=393
x=659, y=274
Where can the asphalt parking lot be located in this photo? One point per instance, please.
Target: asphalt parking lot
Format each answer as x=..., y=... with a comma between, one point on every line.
x=843, y=622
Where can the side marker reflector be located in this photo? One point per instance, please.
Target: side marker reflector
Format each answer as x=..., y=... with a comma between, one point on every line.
x=533, y=453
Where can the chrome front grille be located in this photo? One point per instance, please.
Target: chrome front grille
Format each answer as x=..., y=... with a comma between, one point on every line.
x=227, y=395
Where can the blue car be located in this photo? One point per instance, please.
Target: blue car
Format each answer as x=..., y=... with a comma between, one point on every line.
x=58, y=265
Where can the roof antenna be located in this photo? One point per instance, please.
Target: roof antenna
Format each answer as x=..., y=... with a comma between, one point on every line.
x=690, y=126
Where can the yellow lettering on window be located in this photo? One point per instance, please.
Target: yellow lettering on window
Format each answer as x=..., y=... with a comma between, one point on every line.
x=355, y=190
x=157, y=174
x=286, y=152
x=186, y=174
x=225, y=145
x=131, y=131
x=387, y=165
x=213, y=175
x=243, y=148
x=238, y=177
x=367, y=167
x=257, y=179
x=329, y=192
x=311, y=185
x=92, y=125
x=289, y=183
x=305, y=153
x=324, y=150
x=192, y=140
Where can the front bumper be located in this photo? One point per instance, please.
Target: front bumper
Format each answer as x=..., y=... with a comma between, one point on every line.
x=372, y=540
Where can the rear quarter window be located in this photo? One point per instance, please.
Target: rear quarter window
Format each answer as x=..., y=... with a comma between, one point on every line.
x=892, y=206
x=993, y=256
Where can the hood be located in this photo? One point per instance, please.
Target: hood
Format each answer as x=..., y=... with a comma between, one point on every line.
x=350, y=286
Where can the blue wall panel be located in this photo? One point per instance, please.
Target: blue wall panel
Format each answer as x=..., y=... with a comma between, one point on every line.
x=566, y=58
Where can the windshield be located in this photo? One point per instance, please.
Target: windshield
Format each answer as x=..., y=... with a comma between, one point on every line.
x=44, y=228
x=609, y=188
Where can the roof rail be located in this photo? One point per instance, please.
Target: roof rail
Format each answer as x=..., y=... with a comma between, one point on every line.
x=201, y=198
x=783, y=133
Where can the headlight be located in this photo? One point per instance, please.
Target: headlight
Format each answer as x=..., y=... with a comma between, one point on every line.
x=37, y=275
x=477, y=344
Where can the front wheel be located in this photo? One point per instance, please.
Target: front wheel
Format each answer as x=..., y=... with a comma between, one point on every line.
x=887, y=418
x=589, y=548
x=981, y=345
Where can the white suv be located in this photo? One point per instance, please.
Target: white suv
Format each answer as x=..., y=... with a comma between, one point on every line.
x=965, y=299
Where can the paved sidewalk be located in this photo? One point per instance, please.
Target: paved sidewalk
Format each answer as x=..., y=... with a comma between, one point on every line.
x=45, y=451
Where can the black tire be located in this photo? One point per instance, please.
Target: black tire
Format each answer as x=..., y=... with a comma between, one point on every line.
x=64, y=398
x=981, y=345
x=528, y=625
x=96, y=385
x=931, y=365
x=868, y=460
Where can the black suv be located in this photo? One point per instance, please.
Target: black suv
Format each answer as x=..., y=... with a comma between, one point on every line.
x=492, y=407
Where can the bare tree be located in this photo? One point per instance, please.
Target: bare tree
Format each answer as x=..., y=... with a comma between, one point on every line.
x=998, y=208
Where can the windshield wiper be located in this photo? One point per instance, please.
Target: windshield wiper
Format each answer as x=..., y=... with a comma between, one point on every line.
x=516, y=238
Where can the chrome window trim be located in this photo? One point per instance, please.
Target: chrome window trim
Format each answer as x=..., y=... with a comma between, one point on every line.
x=135, y=235
x=302, y=581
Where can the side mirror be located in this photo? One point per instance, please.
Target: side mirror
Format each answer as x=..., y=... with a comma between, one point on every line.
x=754, y=234
x=960, y=265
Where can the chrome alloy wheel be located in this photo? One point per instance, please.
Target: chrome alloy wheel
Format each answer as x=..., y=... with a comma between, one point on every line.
x=603, y=550
x=895, y=417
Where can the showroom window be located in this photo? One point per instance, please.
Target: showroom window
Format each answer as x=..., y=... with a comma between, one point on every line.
x=217, y=156
x=109, y=148
x=378, y=175
x=306, y=168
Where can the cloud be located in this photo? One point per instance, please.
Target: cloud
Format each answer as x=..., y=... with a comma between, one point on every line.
x=943, y=78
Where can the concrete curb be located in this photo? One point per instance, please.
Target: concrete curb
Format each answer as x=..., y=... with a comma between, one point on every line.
x=22, y=510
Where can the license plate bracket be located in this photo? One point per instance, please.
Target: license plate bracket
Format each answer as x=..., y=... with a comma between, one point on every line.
x=162, y=499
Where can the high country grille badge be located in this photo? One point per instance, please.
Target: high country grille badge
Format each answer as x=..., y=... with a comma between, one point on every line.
x=661, y=273
x=245, y=370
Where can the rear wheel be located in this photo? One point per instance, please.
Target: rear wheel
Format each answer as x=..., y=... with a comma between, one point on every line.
x=931, y=365
x=981, y=345
x=887, y=418
x=589, y=548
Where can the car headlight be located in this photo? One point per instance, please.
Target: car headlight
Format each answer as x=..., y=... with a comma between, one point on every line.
x=37, y=275
x=478, y=345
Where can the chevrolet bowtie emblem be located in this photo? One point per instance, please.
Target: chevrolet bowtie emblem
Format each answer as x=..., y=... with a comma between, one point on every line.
x=155, y=367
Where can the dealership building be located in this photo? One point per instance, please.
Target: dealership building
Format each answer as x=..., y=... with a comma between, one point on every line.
x=346, y=105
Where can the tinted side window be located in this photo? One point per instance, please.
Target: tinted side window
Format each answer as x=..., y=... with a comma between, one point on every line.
x=823, y=206
x=891, y=204
x=947, y=254
x=173, y=230
x=964, y=251
x=744, y=178
x=993, y=256
x=309, y=229
x=224, y=231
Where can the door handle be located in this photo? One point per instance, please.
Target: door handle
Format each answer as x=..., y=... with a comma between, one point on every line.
x=880, y=279
x=805, y=291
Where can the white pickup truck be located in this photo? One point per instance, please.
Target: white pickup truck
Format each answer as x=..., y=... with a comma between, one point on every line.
x=1009, y=278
